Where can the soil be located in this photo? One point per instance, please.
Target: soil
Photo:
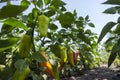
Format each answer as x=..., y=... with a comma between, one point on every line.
x=99, y=73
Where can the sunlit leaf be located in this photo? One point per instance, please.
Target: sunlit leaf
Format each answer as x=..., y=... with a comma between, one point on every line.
x=105, y=30
x=8, y=43
x=15, y=23
x=25, y=3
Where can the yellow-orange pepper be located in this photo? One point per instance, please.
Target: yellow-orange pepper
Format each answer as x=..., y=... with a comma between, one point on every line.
x=46, y=64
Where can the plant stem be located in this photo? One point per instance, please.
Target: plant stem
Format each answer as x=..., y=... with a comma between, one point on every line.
x=34, y=50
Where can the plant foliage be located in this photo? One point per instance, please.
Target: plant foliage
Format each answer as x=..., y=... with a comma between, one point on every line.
x=114, y=40
x=48, y=28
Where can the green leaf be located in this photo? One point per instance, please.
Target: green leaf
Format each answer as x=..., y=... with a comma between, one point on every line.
x=8, y=43
x=50, y=13
x=108, y=40
x=105, y=30
x=79, y=23
x=117, y=29
x=11, y=11
x=75, y=13
x=81, y=18
x=20, y=65
x=87, y=18
x=119, y=54
x=25, y=3
x=35, y=12
x=47, y=2
x=3, y=1
x=40, y=3
x=118, y=20
x=113, y=2
x=6, y=29
x=59, y=51
x=38, y=57
x=58, y=3
x=88, y=57
x=111, y=10
x=119, y=11
x=84, y=38
x=53, y=27
x=56, y=71
x=56, y=50
x=34, y=76
x=113, y=54
x=88, y=31
x=66, y=19
x=63, y=8
x=91, y=24
x=5, y=71
x=15, y=23
x=30, y=18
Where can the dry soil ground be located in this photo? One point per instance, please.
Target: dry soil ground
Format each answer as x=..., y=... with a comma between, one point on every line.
x=99, y=73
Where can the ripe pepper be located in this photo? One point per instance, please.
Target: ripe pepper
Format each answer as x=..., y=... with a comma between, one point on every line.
x=25, y=46
x=46, y=64
x=43, y=22
x=75, y=55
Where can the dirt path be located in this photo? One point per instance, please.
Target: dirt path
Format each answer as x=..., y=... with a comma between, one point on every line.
x=100, y=73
